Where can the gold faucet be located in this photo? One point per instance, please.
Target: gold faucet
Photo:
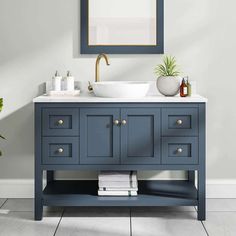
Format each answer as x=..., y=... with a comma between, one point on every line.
x=97, y=79
x=100, y=56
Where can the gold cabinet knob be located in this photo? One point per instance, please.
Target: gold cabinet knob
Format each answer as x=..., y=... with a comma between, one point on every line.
x=60, y=122
x=123, y=122
x=60, y=150
x=179, y=150
x=179, y=122
x=116, y=122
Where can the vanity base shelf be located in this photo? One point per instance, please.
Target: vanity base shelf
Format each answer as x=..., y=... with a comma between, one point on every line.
x=151, y=193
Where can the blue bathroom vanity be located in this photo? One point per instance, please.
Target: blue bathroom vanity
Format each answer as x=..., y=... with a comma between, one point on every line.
x=91, y=133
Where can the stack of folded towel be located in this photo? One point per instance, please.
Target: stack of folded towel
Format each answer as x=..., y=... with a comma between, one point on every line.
x=117, y=183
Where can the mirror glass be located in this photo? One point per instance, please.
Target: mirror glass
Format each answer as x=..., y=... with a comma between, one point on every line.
x=122, y=22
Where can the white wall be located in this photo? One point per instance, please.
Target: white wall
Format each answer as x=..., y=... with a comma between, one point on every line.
x=39, y=37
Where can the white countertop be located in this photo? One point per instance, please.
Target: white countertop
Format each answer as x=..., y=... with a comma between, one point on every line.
x=90, y=98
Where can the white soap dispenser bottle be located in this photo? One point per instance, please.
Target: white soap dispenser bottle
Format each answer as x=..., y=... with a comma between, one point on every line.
x=57, y=82
x=69, y=82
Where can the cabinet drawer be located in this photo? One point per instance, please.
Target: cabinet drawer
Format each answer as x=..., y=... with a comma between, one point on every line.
x=180, y=150
x=60, y=150
x=180, y=121
x=60, y=122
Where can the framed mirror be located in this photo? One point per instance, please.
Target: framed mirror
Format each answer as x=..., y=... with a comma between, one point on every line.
x=122, y=26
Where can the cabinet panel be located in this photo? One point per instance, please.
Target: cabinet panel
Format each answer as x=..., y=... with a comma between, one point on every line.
x=60, y=150
x=100, y=138
x=179, y=150
x=60, y=121
x=180, y=121
x=140, y=136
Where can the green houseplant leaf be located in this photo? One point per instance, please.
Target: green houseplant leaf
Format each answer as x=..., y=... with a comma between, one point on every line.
x=168, y=68
x=1, y=103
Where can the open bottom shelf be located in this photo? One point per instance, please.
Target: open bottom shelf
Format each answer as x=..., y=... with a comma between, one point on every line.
x=151, y=193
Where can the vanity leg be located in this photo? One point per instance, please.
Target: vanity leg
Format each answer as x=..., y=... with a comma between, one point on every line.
x=201, y=195
x=38, y=172
x=191, y=176
x=38, y=200
x=50, y=176
x=202, y=165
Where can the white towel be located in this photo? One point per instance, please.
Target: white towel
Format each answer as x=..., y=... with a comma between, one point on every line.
x=117, y=189
x=117, y=184
x=117, y=176
x=117, y=193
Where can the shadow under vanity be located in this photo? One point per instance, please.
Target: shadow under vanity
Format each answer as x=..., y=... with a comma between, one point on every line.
x=82, y=133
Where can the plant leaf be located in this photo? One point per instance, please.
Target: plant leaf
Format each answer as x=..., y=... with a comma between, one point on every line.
x=1, y=103
x=168, y=68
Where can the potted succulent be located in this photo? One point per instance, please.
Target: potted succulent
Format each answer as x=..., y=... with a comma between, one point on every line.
x=1, y=105
x=168, y=80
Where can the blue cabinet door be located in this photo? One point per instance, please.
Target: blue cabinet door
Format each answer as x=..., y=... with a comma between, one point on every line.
x=140, y=135
x=99, y=136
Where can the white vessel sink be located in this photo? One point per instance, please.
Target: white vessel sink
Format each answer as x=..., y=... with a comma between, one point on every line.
x=121, y=89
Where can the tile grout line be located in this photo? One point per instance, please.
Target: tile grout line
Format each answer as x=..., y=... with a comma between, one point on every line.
x=130, y=222
x=3, y=203
x=204, y=228
x=59, y=223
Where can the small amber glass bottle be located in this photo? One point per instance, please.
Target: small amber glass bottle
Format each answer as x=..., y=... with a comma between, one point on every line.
x=183, y=89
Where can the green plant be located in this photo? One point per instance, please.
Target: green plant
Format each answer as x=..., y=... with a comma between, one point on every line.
x=169, y=68
x=1, y=105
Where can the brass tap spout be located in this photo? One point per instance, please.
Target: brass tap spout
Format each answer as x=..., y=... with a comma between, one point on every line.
x=100, y=56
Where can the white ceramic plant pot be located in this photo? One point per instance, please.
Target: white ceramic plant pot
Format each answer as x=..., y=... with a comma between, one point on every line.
x=168, y=85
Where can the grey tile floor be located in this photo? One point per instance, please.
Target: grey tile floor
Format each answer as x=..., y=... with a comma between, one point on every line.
x=16, y=218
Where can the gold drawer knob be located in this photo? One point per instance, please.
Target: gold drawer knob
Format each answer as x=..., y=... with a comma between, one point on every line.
x=116, y=122
x=179, y=150
x=179, y=122
x=60, y=122
x=60, y=150
x=123, y=122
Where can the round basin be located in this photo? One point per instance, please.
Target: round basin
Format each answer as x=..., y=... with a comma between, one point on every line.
x=121, y=89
